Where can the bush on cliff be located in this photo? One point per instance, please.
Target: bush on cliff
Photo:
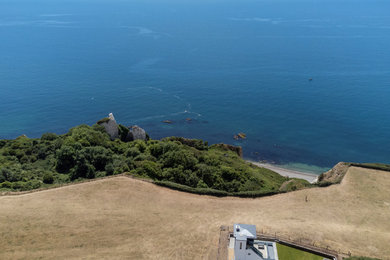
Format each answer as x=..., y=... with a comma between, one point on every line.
x=48, y=178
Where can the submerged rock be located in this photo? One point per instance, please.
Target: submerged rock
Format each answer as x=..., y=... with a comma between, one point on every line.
x=239, y=136
x=110, y=126
x=136, y=133
x=242, y=135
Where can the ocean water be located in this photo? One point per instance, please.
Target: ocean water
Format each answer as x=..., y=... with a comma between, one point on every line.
x=230, y=66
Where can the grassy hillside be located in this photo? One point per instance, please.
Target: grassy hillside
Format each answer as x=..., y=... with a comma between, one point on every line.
x=122, y=218
x=87, y=152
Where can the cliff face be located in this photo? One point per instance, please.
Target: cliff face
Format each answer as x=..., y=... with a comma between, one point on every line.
x=334, y=175
x=136, y=133
x=110, y=126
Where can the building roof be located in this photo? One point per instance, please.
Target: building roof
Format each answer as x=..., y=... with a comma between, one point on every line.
x=244, y=231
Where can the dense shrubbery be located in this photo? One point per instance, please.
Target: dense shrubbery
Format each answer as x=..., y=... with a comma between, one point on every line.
x=123, y=131
x=87, y=152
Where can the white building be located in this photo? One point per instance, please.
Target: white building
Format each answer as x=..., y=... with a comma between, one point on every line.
x=244, y=246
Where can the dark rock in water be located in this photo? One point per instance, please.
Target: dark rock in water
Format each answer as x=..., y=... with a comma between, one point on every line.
x=241, y=135
x=167, y=121
x=110, y=126
x=136, y=133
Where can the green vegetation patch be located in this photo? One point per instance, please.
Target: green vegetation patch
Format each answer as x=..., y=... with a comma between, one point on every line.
x=290, y=253
x=103, y=120
x=294, y=184
x=86, y=152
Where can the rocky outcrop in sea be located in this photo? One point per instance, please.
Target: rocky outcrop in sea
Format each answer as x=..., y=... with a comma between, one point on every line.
x=116, y=131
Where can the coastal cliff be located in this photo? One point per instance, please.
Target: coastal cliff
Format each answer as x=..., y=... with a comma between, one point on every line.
x=109, y=148
x=334, y=175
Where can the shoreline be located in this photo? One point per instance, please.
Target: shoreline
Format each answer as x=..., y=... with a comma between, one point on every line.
x=310, y=177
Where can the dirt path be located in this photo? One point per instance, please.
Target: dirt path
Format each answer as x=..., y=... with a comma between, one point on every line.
x=123, y=218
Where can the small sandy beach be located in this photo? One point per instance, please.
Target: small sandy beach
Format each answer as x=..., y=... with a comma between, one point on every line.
x=310, y=177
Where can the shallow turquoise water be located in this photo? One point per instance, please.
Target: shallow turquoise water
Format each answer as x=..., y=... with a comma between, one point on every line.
x=231, y=66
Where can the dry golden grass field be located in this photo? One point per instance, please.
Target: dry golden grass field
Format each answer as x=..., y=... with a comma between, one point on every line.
x=123, y=218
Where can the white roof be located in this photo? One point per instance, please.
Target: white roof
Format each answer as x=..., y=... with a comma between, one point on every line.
x=244, y=231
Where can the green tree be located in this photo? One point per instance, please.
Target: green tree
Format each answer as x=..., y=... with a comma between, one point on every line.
x=123, y=131
x=98, y=156
x=66, y=158
x=132, y=152
x=150, y=169
x=83, y=169
x=120, y=165
x=201, y=184
x=88, y=136
x=179, y=158
x=49, y=137
x=48, y=178
x=12, y=173
x=109, y=169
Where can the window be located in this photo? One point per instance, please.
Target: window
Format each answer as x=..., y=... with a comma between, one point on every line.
x=240, y=245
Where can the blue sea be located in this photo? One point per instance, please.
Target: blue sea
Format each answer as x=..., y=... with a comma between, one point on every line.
x=230, y=66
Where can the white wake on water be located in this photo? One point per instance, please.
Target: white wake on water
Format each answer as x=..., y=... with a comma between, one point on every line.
x=187, y=110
